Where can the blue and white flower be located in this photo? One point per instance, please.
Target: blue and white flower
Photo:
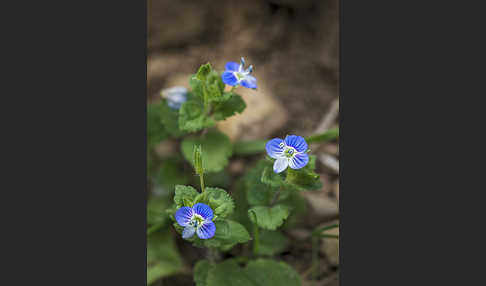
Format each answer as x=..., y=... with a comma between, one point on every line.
x=292, y=151
x=197, y=219
x=235, y=74
x=175, y=96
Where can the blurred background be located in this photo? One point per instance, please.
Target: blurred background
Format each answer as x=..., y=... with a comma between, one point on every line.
x=293, y=46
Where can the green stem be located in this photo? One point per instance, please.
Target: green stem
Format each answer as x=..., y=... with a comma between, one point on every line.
x=205, y=98
x=201, y=179
x=329, y=135
x=324, y=228
x=328, y=235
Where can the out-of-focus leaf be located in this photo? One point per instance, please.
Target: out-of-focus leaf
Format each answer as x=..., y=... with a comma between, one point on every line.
x=216, y=150
x=272, y=242
x=163, y=258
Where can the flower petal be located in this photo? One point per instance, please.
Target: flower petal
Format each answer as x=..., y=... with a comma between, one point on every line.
x=232, y=66
x=273, y=148
x=298, y=142
x=229, y=78
x=280, y=164
x=203, y=210
x=183, y=216
x=249, y=82
x=206, y=230
x=299, y=161
x=188, y=231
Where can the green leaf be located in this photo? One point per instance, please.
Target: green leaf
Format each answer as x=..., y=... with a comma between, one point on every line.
x=216, y=150
x=156, y=207
x=260, y=272
x=257, y=192
x=215, y=87
x=269, y=217
x=329, y=135
x=192, y=116
x=228, y=273
x=201, y=270
x=305, y=178
x=267, y=272
x=228, y=234
x=163, y=259
x=203, y=72
x=218, y=199
x=171, y=173
x=156, y=132
x=272, y=242
x=271, y=178
x=184, y=196
x=235, y=104
x=170, y=119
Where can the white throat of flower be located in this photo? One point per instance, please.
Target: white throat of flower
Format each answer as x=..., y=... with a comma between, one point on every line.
x=242, y=73
x=196, y=221
x=288, y=151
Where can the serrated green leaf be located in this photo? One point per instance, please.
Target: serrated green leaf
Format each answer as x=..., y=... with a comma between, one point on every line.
x=224, y=109
x=163, y=259
x=214, y=86
x=271, y=178
x=305, y=178
x=228, y=234
x=269, y=217
x=216, y=150
x=203, y=71
x=257, y=192
x=272, y=242
x=192, y=116
x=156, y=132
x=201, y=270
x=184, y=196
x=218, y=199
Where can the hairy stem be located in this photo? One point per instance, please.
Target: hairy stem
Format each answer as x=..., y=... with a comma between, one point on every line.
x=201, y=179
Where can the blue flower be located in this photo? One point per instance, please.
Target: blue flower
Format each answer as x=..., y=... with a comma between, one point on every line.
x=236, y=74
x=196, y=220
x=175, y=96
x=289, y=152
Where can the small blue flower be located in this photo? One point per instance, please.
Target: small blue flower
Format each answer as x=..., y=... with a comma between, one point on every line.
x=175, y=96
x=236, y=74
x=289, y=152
x=196, y=220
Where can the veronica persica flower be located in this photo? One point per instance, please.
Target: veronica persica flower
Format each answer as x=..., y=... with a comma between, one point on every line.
x=196, y=220
x=235, y=74
x=175, y=96
x=292, y=151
